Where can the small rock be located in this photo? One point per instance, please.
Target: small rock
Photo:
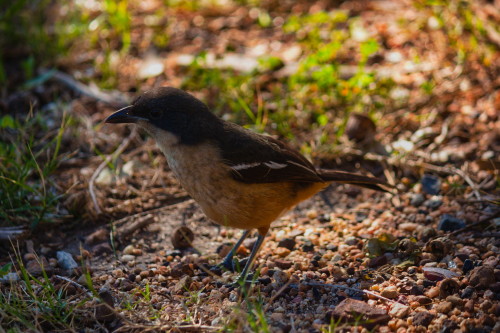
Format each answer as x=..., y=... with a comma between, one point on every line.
x=283, y=264
x=9, y=278
x=417, y=200
x=408, y=226
x=489, y=294
x=426, y=233
x=265, y=280
x=444, y=307
x=468, y=266
x=448, y=326
x=308, y=246
x=233, y=296
x=182, y=238
x=495, y=287
x=150, y=67
x=127, y=258
x=287, y=243
x=399, y=310
x=482, y=277
x=417, y=290
x=469, y=306
x=106, y=177
x=360, y=128
x=129, y=249
x=277, y=316
x=486, y=305
x=467, y=292
x=126, y=285
x=448, y=287
x=439, y=247
x=66, y=261
x=282, y=252
x=390, y=293
x=180, y=270
x=280, y=277
x=432, y=292
x=455, y=300
x=431, y=184
x=350, y=309
x=486, y=321
x=352, y=241
x=130, y=168
x=433, y=204
x=183, y=285
x=377, y=261
x=423, y=300
x=450, y=223
x=422, y=318
x=438, y=274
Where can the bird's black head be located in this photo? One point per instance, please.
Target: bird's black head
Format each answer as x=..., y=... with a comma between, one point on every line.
x=171, y=110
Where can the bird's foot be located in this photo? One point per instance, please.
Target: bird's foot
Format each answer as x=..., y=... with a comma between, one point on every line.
x=233, y=265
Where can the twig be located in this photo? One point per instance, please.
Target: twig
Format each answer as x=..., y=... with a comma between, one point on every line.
x=128, y=229
x=416, y=164
x=337, y=286
x=280, y=291
x=75, y=284
x=108, y=159
x=470, y=226
x=165, y=328
x=469, y=181
x=12, y=233
x=115, y=99
x=180, y=200
x=195, y=328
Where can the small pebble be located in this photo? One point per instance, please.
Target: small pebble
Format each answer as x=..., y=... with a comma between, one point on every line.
x=127, y=258
x=282, y=252
x=129, y=249
x=399, y=310
x=288, y=243
x=430, y=184
x=390, y=293
x=417, y=200
x=444, y=307
x=432, y=292
x=450, y=223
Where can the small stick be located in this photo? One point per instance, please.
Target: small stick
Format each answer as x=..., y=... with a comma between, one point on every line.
x=115, y=99
x=486, y=219
x=75, y=284
x=129, y=229
x=337, y=286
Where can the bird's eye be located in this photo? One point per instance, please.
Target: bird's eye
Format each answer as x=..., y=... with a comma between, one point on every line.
x=154, y=114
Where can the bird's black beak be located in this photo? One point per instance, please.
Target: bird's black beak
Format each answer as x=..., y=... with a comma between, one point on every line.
x=122, y=116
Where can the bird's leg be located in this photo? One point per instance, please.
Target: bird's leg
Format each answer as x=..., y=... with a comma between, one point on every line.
x=228, y=259
x=253, y=254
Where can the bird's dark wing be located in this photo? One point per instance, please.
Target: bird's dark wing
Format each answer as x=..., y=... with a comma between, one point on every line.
x=255, y=158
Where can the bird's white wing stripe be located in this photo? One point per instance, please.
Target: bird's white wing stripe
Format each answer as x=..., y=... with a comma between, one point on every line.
x=274, y=165
x=270, y=165
x=302, y=166
x=245, y=166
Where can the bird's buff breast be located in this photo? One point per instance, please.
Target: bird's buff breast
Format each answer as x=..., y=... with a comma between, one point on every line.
x=226, y=201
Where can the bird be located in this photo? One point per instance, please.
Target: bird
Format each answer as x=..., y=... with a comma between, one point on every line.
x=240, y=178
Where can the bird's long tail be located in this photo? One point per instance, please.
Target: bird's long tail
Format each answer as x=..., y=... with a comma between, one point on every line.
x=355, y=179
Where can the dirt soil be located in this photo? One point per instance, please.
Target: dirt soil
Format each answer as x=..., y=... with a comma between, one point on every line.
x=426, y=259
